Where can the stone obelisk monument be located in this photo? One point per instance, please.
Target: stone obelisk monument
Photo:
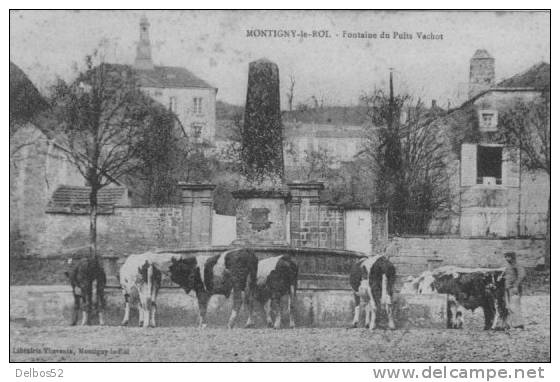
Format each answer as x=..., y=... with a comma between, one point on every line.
x=263, y=201
x=261, y=136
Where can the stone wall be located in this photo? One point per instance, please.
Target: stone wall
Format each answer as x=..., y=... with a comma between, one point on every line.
x=127, y=230
x=37, y=167
x=133, y=229
x=414, y=255
x=317, y=225
x=313, y=224
x=52, y=304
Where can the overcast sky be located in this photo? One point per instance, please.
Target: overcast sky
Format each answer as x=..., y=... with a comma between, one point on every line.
x=214, y=45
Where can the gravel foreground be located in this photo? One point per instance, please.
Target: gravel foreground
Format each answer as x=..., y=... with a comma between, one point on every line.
x=190, y=344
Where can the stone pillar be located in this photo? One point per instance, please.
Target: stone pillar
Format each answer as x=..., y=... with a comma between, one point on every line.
x=261, y=216
x=261, y=136
x=304, y=213
x=198, y=208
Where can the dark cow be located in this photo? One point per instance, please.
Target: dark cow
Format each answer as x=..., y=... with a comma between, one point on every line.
x=372, y=279
x=233, y=271
x=470, y=288
x=140, y=277
x=83, y=275
x=277, y=277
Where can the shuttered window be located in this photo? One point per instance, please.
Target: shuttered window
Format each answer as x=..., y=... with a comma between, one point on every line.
x=468, y=164
x=489, y=165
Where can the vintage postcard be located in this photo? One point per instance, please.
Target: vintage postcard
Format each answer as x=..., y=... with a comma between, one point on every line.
x=280, y=186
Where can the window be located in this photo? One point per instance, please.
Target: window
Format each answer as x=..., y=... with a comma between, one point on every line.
x=489, y=165
x=488, y=120
x=173, y=104
x=197, y=105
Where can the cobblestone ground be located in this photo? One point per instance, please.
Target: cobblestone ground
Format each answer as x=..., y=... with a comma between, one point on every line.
x=114, y=343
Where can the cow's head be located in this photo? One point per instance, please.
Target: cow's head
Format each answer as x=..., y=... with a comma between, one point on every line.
x=494, y=282
x=183, y=272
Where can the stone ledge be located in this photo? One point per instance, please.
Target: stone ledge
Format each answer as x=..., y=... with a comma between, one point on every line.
x=52, y=305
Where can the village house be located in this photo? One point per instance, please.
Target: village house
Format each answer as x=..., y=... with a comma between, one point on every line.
x=192, y=99
x=497, y=196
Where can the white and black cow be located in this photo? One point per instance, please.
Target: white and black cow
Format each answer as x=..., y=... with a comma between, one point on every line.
x=233, y=271
x=277, y=277
x=140, y=277
x=85, y=275
x=470, y=288
x=372, y=279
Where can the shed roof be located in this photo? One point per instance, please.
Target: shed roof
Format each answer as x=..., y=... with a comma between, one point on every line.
x=75, y=199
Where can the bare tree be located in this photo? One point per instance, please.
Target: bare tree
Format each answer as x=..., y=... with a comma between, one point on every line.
x=318, y=163
x=407, y=155
x=98, y=118
x=290, y=93
x=526, y=125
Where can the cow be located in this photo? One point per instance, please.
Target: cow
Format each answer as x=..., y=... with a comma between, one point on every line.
x=277, y=277
x=469, y=288
x=140, y=277
x=83, y=275
x=232, y=271
x=372, y=279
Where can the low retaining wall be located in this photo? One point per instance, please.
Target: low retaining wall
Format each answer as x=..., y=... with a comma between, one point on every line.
x=52, y=305
x=414, y=254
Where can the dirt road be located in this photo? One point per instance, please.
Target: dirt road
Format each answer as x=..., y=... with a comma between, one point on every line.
x=178, y=343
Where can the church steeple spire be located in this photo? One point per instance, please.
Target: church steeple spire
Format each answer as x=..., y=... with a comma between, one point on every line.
x=144, y=49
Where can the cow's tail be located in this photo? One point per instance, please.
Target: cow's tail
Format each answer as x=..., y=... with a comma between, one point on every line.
x=150, y=282
x=385, y=299
x=387, y=282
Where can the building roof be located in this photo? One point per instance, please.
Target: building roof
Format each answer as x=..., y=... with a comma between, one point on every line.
x=481, y=53
x=534, y=79
x=171, y=77
x=338, y=115
x=537, y=76
x=323, y=130
x=75, y=199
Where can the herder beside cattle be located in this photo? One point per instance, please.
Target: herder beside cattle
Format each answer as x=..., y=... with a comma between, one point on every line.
x=372, y=279
x=82, y=276
x=514, y=275
x=468, y=287
x=277, y=277
x=233, y=271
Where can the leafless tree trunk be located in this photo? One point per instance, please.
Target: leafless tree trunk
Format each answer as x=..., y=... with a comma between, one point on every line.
x=290, y=93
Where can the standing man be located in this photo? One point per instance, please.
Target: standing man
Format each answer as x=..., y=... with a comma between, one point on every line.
x=514, y=275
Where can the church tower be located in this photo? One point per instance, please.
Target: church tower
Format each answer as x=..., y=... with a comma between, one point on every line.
x=143, y=59
x=482, y=75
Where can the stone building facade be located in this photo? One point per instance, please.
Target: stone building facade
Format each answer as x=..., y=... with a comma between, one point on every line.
x=192, y=99
x=497, y=197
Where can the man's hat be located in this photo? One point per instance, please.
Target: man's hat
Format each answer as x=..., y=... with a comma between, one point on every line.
x=509, y=254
